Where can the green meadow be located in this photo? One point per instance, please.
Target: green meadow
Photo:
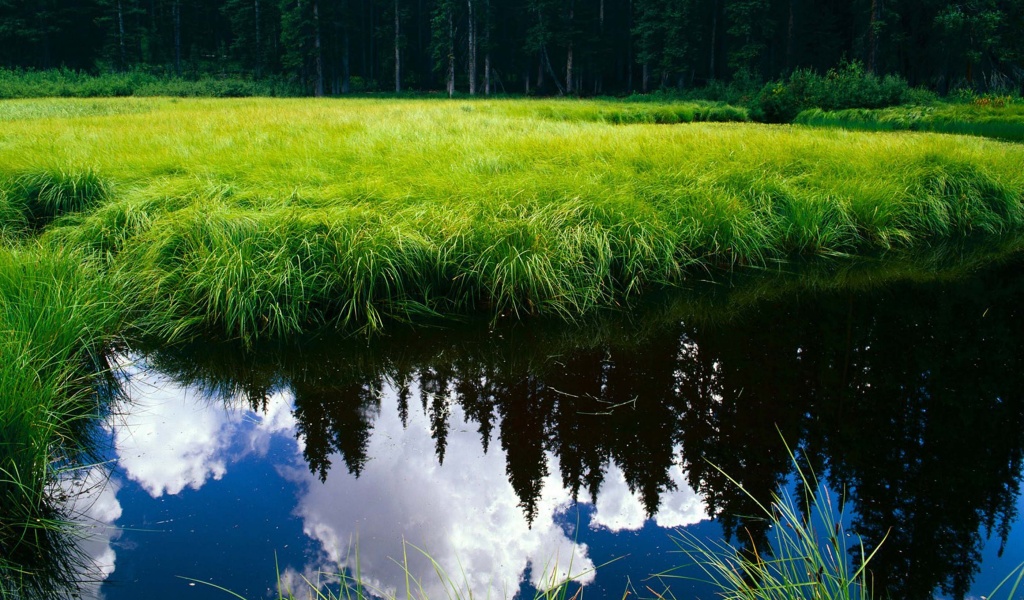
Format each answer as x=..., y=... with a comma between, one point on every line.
x=999, y=118
x=250, y=218
x=257, y=219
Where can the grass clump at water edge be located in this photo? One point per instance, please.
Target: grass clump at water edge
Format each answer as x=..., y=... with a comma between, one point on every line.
x=1004, y=122
x=808, y=557
x=55, y=317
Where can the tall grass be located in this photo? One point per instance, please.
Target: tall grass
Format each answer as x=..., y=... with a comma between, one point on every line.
x=628, y=113
x=55, y=315
x=268, y=217
x=557, y=582
x=1004, y=121
x=809, y=557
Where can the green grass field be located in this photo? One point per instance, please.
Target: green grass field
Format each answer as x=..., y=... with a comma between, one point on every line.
x=1002, y=118
x=263, y=218
x=267, y=217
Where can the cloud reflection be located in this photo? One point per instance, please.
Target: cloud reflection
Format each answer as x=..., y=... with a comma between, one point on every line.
x=464, y=513
x=92, y=504
x=620, y=509
x=170, y=437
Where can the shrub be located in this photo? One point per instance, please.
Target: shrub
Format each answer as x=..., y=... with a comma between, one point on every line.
x=848, y=86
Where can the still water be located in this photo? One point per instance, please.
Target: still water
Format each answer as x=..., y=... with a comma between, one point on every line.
x=511, y=453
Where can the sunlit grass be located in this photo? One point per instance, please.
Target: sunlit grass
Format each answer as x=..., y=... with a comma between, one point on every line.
x=1005, y=121
x=269, y=217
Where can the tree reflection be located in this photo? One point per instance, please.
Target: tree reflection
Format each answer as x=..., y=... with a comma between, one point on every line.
x=908, y=397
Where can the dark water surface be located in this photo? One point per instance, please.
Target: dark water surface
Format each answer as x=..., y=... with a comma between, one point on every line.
x=510, y=452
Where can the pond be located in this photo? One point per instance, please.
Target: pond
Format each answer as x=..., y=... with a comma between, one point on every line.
x=508, y=452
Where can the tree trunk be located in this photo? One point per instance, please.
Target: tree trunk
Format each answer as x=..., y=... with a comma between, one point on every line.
x=451, y=53
x=319, y=54
x=345, y=71
x=568, y=70
x=568, y=58
x=645, y=82
x=424, y=63
x=398, y=55
x=714, y=33
x=487, y=48
x=547, y=65
x=873, y=25
x=120, y=37
x=259, y=43
x=487, y=74
x=176, y=10
x=472, y=49
x=372, y=38
x=790, y=60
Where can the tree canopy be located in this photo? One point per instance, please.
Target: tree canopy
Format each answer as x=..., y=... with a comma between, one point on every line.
x=584, y=47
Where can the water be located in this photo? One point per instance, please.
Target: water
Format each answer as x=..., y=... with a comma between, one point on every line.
x=519, y=453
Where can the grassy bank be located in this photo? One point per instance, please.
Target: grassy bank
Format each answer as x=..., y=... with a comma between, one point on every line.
x=1000, y=119
x=55, y=316
x=268, y=217
x=259, y=217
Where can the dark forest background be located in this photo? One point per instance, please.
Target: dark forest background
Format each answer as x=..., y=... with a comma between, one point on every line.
x=582, y=47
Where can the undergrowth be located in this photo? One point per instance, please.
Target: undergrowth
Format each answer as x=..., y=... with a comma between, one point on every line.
x=66, y=83
x=1004, y=121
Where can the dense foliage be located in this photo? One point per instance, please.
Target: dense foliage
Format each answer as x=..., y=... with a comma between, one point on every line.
x=522, y=46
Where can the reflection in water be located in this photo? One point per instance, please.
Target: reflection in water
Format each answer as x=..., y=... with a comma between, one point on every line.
x=909, y=398
x=92, y=503
x=474, y=444
x=463, y=511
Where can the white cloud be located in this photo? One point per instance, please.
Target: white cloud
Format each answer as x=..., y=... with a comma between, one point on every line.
x=465, y=514
x=169, y=439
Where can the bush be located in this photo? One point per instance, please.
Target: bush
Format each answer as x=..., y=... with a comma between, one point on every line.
x=73, y=84
x=848, y=86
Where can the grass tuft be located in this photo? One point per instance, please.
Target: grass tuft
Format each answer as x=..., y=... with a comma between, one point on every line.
x=808, y=557
x=47, y=194
x=55, y=316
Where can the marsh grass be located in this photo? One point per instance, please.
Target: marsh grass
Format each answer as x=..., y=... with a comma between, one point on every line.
x=266, y=218
x=808, y=557
x=45, y=194
x=625, y=112
x=55, y=316
x=1004, y=122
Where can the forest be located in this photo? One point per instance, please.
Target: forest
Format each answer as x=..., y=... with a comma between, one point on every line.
x=532, y=47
